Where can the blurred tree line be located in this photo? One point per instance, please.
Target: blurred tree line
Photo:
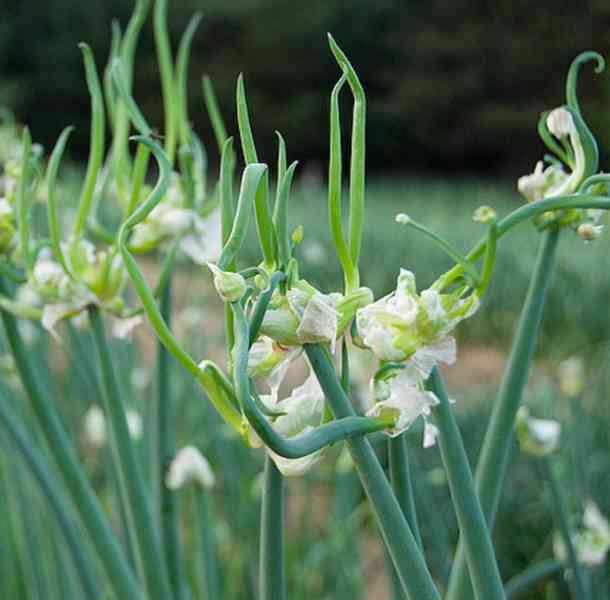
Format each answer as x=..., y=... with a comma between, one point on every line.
x=452, y=86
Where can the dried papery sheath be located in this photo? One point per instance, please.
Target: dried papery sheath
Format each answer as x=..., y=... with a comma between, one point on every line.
x=189, y=466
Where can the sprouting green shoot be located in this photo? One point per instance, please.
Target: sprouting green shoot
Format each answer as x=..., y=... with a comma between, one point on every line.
x=52, y=170
x=281, y=166
x=96, y=151
x=211, y=104
x=281, y=215
x=264, y=223
x=227, y=204
x=335, y=170
x=357, y=158
x=109, y=91
x=164, y=55
x=182, y=61
x=573, y=72
x=23, y=202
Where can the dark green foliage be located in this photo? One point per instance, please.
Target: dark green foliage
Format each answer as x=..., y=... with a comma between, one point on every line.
x=451, y=86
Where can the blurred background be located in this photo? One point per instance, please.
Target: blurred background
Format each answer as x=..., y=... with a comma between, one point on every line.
x=454, y=93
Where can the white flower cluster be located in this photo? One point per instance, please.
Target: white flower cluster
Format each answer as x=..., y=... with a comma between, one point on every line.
x=591, y=542
x=414, y=330
x=199, y=237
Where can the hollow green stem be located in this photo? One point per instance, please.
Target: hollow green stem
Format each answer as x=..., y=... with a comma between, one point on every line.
x=493, y=459
x=166, y=450
x=562, y=520
x=280, y=217
x=272, y=580
x=41, y=473
x=480, y=555
x=209, y=97
x=211, y=583
x=139, y=513
x=111, y=556
x=262, y=304
x=96, y=150
x=531, y=576
x=400, y=476
x=520, y=215
x=408, y=559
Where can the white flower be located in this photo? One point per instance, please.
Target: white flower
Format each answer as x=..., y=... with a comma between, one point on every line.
x=403, y=401
x=189, y=465
x=430, y=434
x=537, y=436
x=304, y=409
x=95, y=428
x=270, y=360
x=319, y=318
x=403, y=324
x=201, y=236
x=571, y=376
x=553, y=181
x=589, y=232
x=591, y=543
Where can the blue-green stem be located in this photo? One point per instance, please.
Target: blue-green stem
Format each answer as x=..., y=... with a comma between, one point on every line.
x=400, y=476
x=96, y=149
x=41, y=473
x=211, y=583
x=480, y=555
x=406, y=555
x=494, y=456
x=211, y=104
x=166, y=449
x=272, y=580
x=111, y=556
x=139, y=512
x=531, y=576
x=562, y=520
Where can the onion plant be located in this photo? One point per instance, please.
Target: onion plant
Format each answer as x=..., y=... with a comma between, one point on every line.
x=273, y=317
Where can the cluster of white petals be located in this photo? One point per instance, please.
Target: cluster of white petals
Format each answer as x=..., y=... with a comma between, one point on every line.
x=591, y=542
x=412, y=329
x=200, y=237
x=189, y=465
x=95, y=428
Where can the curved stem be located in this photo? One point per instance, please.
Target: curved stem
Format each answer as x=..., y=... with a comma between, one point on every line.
x=111, y=555
x=300, y=445
x=271, y=575
x=408, y=559
x=493, y=459
x=139, y=512
x=41, y=473
x=480, y=555
x=531, y=576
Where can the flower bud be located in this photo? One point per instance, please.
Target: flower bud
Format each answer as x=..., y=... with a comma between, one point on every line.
x=297, y=235
x=402, y=219
x=230, y=286
x=484, y=214
x=589, y=232
x=189, y=465
x=539, y=437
